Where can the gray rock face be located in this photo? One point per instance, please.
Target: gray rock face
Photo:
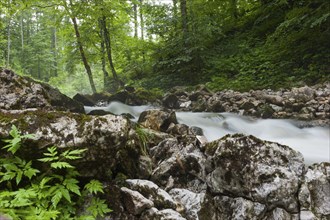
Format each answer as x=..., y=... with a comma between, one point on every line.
x=192, y=202
x=150, y=190
x=314, y=195
x=178, y=163
x=135, y=203
x=157, y=120
x=22, y=93
x=105, y=137
x=261, y=171
x=165, y=214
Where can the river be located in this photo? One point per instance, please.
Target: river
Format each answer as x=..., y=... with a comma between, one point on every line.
x=313, y=143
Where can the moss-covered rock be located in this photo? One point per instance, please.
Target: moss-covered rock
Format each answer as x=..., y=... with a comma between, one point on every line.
x=22, y=93
x=105, y=137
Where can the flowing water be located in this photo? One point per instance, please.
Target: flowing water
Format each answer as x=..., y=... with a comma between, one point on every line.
x=313, y=143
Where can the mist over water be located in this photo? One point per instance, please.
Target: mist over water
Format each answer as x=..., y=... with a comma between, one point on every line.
x=313, y=143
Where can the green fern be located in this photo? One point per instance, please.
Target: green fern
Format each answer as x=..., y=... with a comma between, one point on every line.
x=51, y=193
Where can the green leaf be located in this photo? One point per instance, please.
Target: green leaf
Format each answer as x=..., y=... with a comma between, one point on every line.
x=71, y=184
x=19, y=176
x=73, y=154
x=94, y=186
x=57, y=198
x=65, y=194
x=29, y=173
x=60, y=165
x=98, y=207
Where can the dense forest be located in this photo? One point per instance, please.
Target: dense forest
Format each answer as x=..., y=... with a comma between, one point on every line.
x=100, y=45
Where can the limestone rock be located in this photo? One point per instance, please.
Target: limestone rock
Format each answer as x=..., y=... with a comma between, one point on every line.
x=265, y=172
x=157, y=120
x=150, y=190
x=191, y=201
x=314, y=194
x=19, y=93
x=135, y=203
x=105, y=137
x=165, y=214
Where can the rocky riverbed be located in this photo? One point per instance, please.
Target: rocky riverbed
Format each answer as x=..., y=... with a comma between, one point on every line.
x=156, y=168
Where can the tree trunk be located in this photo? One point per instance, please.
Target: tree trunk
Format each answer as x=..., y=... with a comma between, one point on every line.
x=8, y=37
x=184, y=18
x=82, y=53
x=141, y=20
x=54, y=50
x=105, y=72
x=107, y=41
x=175, y=12
x=22, y=44
x=135, y=20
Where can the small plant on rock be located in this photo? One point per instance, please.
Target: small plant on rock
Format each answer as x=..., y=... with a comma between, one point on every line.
x=52, y=192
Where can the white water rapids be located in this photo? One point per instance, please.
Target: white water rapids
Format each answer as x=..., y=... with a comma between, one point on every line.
x=313, y=143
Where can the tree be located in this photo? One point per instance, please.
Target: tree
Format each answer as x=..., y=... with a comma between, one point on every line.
x=80, y=44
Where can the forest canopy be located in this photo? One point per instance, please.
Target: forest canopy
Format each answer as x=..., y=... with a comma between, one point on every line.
x=101, y=45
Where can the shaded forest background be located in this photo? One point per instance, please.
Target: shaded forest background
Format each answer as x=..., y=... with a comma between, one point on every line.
x=100, y=45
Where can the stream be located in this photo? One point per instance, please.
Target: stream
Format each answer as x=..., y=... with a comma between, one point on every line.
x=313, y=143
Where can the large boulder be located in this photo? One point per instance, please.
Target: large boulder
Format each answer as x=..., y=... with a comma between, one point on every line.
x=261, y=171
x=19, y=92
x=314, y=194
x=107, y=138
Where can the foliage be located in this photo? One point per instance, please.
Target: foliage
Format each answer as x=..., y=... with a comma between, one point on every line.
x=50, y=192
x=234, y=44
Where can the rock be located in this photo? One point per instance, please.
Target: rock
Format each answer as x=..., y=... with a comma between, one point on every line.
x=135, y=203
x=19, y=93
x=224, y=207
x=314, y=194
x=178, y=163
x=145, y=167
x=171, y=101
x=105, y=137
x=279, y=213
x=165, y=214
x=83, y=100
x=178, y=129
x=99, y=112
x=157, y=119
x=191, y=201
x=150, y=190
x=265, y=172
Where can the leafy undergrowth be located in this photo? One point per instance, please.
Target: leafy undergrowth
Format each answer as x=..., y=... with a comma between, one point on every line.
x=49, y=192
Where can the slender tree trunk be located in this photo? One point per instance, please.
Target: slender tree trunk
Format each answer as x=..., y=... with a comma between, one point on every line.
x=82, y=53
x=8, y=37
x=54, y=50
x=135, y=20
x=107, y=40
x=175, y=12
x=184, y=18
x=22, y=43
x=141, y=20
x=105, y=72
